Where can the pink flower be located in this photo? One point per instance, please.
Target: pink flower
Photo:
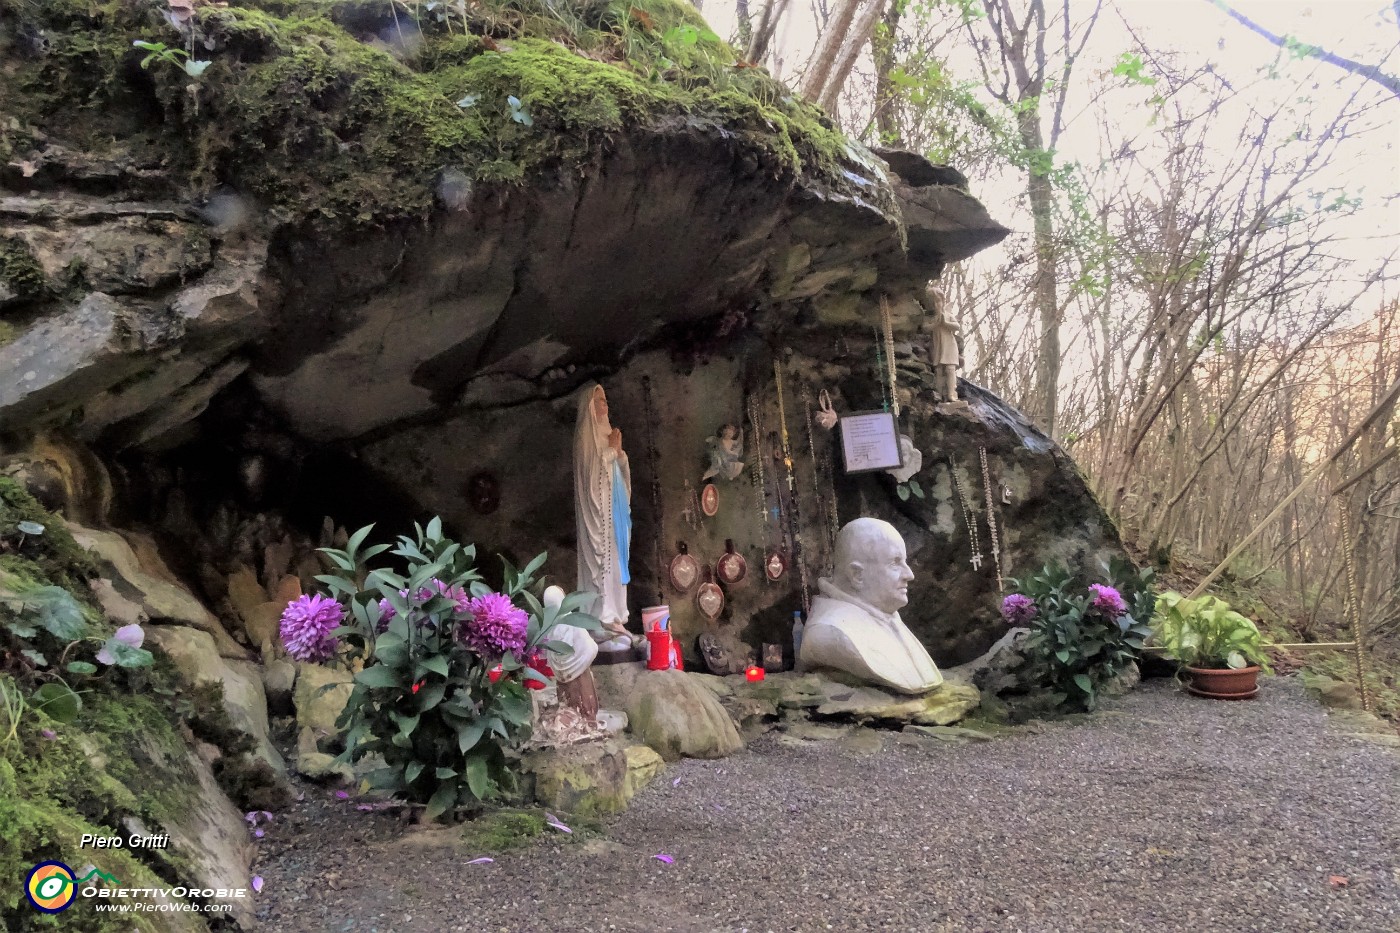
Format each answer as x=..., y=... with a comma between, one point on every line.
x=306, y=628
x=132, y=635
x=495, y=626
x=1017, y=609
x=1107, y=601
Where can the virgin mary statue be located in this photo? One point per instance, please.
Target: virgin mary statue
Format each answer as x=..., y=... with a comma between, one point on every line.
x=603, y=512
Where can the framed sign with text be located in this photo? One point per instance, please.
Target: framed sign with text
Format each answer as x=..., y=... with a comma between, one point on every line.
x=870, y=441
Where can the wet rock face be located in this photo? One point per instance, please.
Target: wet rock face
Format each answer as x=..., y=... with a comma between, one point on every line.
x=526, y=447
x=436, y=352
x=665, y=230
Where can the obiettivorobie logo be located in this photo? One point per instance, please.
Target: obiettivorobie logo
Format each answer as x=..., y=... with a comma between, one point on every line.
x=52, y=888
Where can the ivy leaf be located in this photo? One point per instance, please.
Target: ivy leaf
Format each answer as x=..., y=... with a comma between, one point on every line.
x=21, y=629
x=58, y=701
x=1083, y=683
x=57, y=612
x=124, y=655
x=81, y=667
x=194, y=69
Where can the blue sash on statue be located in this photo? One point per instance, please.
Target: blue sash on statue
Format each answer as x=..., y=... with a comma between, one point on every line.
x=622, y=522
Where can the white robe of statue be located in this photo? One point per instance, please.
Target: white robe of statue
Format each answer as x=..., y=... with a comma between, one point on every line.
x=597, y=450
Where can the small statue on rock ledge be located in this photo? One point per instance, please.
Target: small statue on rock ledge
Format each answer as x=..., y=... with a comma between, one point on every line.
x=603, y=514
x=726, y=450
x=945, y=345
x=573, y=673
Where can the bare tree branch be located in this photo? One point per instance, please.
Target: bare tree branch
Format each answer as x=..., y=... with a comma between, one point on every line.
x=1369, y=72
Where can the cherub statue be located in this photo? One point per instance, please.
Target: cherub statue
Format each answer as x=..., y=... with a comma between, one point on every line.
x=726, y=451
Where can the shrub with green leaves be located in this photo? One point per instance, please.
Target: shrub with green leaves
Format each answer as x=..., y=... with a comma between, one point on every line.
x=1205, y=632
x=42, y=633
x=443, y=694
x=1080, y=637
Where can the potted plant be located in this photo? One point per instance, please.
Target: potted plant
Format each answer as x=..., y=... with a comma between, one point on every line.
x=1221, y=651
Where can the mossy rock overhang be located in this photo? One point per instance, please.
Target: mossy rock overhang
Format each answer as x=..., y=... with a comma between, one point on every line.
x=517, y=196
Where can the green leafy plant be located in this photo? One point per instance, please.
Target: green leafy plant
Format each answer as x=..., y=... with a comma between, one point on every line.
x=1206, y=633
x=905, y=489
x=447, y=664
x=159, y=51
x=1080, y=637
x=518, y=113
x=38, y=623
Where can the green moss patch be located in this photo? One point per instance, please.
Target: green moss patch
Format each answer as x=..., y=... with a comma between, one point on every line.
x=121, y=758
x=503, y=830
x=347, y=112
x=20, y=272
x=51, y=558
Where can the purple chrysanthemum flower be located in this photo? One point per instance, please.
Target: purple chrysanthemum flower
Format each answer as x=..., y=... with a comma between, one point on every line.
x=1107, y=601
x=1017, y=609
x=306, y=628
x=495, y=627
x=386, y=615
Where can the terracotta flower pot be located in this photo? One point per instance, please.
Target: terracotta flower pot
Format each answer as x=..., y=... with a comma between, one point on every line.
x=1223, y=684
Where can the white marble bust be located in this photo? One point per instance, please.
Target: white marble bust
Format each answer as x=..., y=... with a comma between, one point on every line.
x=854, y=625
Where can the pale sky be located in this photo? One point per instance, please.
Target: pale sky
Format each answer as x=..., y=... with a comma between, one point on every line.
x=1367, y=165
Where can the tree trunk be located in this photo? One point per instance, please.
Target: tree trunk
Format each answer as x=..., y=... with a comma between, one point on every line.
x=824, y=58
x=1047, y=362
x=762, y=37
x=860, y=34
x=886, y=95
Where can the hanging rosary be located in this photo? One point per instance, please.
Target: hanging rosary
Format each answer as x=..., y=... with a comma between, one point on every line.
x=828, y=532
x=794, y=513
x=968, y=516
x=691, y=512
x=887, y=324
x=649, y=418
x=991, y=517
x=756, y=467
x=880, y=372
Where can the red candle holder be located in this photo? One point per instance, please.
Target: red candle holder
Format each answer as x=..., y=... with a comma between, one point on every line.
x=754, y=673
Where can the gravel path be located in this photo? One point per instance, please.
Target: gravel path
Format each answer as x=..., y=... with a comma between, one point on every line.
x=1162, y=812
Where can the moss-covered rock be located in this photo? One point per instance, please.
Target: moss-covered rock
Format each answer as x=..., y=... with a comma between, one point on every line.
x=120, y=768
x=592, y=778
x=53, y=558
x=21, y=277
x=346, y=112
x=947, y=703
x=678, y=716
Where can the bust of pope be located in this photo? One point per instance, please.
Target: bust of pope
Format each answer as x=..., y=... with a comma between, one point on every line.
x=854, y=625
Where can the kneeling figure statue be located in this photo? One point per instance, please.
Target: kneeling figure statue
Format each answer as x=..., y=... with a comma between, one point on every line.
x=854, y=625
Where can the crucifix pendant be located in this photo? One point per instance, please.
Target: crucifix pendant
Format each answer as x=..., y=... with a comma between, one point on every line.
x=977, y=560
